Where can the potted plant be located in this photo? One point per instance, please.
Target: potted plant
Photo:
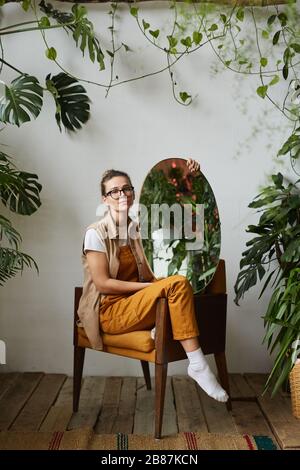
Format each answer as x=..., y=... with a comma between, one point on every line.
x=274, y=254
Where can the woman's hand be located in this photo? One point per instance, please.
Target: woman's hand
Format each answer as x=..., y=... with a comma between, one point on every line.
x=193, y=166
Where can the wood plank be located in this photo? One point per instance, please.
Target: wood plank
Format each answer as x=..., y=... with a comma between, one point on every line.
x=57, y=419
x=37, y=406
x=6, y=381
x=125, y=418
x=145, y=410
x=169, y=425
x=278, y=412
x=16, y=396
x=218, y=418
x=239, y=387
x=60, y=414
x=110, y=405
x=189, y=409
x=249, y=419
x=90, y=402
x=65, y=396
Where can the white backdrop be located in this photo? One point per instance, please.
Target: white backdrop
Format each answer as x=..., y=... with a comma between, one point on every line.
x=136, y=126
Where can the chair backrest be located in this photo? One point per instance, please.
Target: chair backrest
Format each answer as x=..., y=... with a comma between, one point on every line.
x=77, y=295
x=217, y=285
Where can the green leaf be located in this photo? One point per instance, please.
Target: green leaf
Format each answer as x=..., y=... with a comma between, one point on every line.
x=82, y=29
x=227, y=63
x=263, y=61
x=187, y=42
x=296, y=47
x=155, y=33
x=13, y=262
x=19, y=190
x=262, y=91
x=91, y=49
x=240, y=14
x=197, y=37
x=292, y=252
x=283, y=19
x=184, y=96
x=72, y=102
x=271, y=19
x=274, y=80
x=21, y=100
x=127, y=48
x=292, y=145
x=213, y=27
x=265, y=34
x=145, y=25
x=285, y=71
x=286, y=55
x=278, y=180
x=44, y=22
x=51, y=53
x=223, y=18
x=134, y=11
x=25, y=4
x=79, y=11
x=172, y=41
x=276, y=37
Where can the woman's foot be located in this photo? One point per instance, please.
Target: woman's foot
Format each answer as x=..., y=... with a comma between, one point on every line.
x=199, y=370
x=208, y=382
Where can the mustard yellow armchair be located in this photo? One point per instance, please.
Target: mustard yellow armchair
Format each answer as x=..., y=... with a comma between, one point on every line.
x=211, y=316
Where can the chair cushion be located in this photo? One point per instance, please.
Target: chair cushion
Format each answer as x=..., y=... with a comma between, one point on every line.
x=136, y=340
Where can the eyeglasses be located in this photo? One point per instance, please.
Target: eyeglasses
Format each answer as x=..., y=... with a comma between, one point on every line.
x=116, y=193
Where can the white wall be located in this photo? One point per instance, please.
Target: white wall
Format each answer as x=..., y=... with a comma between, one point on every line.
x=136, y=126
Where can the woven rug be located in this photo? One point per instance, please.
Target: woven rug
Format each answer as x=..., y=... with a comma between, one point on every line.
x=86, y=439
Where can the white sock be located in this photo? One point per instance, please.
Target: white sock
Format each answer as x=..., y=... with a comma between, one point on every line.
x=199, y=370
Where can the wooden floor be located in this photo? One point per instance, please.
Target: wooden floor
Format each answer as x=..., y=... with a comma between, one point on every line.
x=34, y=401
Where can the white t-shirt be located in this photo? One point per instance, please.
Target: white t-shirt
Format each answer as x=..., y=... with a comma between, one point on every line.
x=92, y=241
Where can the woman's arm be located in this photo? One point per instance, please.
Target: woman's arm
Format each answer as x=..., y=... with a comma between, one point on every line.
x=98, y=265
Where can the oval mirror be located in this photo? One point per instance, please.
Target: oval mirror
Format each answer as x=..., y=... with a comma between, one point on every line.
x=179, y=222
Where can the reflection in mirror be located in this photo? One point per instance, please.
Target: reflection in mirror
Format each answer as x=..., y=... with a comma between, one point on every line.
x=180, y=223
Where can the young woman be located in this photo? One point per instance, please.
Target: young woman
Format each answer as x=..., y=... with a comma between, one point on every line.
x=120, y=285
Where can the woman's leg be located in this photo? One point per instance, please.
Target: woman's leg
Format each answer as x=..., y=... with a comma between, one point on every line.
x=138, y=311
x=199, y=370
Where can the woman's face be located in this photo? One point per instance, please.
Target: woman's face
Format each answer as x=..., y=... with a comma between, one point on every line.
x=124, y=202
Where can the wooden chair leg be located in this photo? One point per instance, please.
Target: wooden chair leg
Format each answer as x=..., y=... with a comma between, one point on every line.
x=160, y=389
x=146, y=372
x=221, y=364
x=79, y=354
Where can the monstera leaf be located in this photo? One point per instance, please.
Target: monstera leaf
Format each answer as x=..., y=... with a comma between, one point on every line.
x=72, y=102
x=21, y=100
x=19, y=190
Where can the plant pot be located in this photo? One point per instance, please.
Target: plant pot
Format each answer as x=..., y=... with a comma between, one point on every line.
x=295, y=389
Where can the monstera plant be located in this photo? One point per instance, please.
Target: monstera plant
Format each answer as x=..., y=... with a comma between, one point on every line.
x=274, y=254
x=22, y=99
x=19, y=192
